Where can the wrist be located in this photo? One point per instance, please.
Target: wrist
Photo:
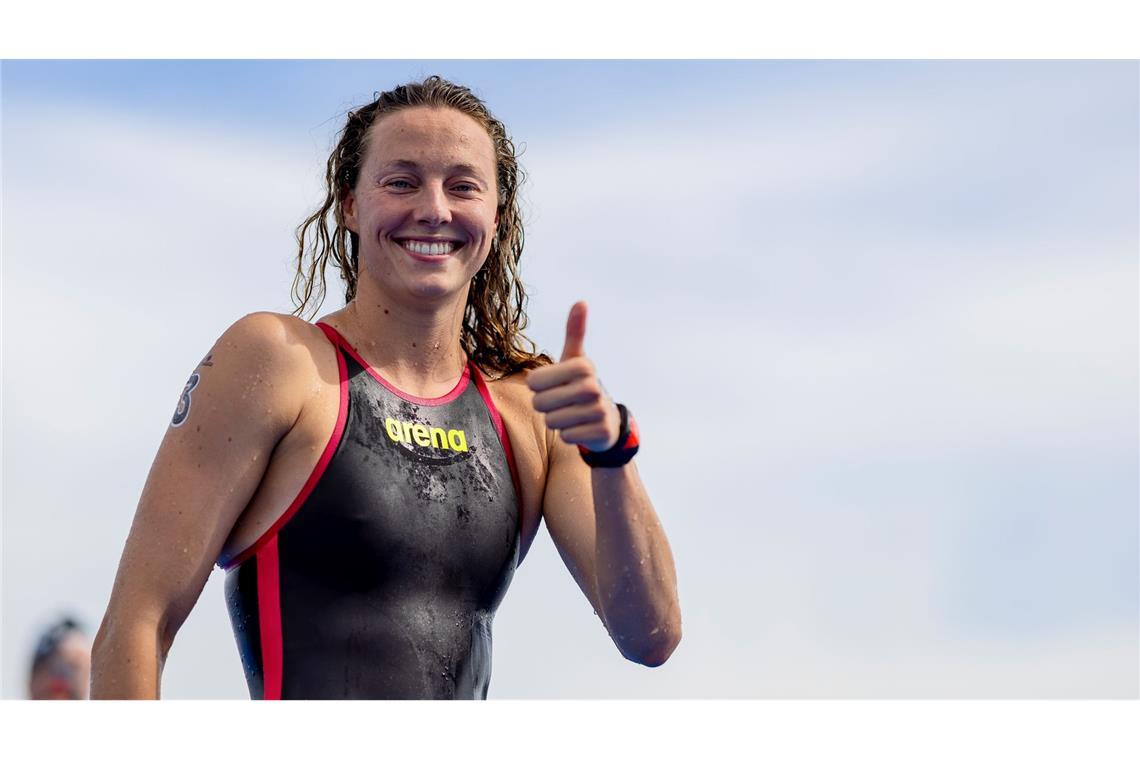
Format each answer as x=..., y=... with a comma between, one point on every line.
x=627, y=445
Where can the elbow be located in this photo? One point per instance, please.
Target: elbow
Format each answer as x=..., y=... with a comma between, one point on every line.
x=659, y=648
x=658, y=657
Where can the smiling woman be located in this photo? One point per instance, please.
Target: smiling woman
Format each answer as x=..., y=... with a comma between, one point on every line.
x=494, y=315
x=370, y=483
x=434, y=209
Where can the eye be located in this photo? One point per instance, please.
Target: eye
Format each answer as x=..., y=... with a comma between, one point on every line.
x=395, y=182
x=466, y=187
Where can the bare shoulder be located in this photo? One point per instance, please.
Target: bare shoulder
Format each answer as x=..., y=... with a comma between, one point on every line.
x=281, y=342
x=272, y=334
x=513, y=398
x=514, y=393
x=282, y=350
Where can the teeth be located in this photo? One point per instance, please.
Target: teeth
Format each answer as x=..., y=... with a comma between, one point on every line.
x=429, y=249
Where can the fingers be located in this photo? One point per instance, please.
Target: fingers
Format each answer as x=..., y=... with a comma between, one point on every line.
x=596, y=428
x=581, y=392
x=569, y=394
x=575, y=332
x=570, y=417
x=594, y=436
x=552, y=375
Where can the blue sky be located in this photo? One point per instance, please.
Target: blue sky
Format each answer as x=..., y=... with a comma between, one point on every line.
x=877, y=320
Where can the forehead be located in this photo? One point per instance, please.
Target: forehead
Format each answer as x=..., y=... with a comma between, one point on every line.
x=431, y=137
x=73, y=649
x=74, y=643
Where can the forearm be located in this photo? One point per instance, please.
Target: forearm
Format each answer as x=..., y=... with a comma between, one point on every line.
x=637, y=581
x=127, y=660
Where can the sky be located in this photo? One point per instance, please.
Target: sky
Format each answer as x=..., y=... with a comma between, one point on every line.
x=877, y=321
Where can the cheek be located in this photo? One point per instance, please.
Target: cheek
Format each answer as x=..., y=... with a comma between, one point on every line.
x=483, y=259
x=491, y=226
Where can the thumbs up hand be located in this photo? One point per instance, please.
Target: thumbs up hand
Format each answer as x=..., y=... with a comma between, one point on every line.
x=570, y=394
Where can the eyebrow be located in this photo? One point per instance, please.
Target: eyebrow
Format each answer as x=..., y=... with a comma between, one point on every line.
x=405, y=164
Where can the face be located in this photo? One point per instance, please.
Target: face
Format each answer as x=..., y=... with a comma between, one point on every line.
x=66, y=673
x=424, y=204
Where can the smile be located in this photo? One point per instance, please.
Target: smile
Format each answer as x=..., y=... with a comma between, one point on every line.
x=442, y=248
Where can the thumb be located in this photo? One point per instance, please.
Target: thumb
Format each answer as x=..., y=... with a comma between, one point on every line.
x=575, y=331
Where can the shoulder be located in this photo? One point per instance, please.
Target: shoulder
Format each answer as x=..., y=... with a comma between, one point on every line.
x=284, y=351
x=512, y=389
x=270, y=330
x=279, y=340
x=514, y=400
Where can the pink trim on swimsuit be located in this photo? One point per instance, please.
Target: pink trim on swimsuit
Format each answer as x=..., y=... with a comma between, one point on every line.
x=460, y=386
x=269, y=619
x=501, y=429
x=318, y=470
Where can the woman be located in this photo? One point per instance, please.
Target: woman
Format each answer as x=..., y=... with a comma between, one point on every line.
x=370, y=482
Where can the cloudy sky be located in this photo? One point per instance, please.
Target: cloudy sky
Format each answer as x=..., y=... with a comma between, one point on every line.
x=878, y=322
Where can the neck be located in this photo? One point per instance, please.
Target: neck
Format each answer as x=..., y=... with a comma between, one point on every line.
x=414, y=347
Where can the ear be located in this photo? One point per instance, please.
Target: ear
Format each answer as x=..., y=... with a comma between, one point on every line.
x=348, y=206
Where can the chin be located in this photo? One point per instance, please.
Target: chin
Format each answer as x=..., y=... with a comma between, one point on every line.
x=437, y=291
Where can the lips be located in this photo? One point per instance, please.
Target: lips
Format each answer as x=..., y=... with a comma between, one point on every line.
x=429, y=247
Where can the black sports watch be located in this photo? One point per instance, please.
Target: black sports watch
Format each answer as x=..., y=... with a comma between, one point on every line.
x=627, y=445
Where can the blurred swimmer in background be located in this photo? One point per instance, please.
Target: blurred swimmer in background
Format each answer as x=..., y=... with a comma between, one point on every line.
x=61, y=662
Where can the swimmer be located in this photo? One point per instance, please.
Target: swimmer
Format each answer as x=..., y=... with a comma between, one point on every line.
x=61, y=662
x=370, y=482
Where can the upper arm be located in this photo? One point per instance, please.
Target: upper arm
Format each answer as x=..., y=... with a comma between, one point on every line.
x=568, y=509
x=206, y=471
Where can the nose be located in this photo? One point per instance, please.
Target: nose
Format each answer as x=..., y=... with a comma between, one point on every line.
x=432, y=207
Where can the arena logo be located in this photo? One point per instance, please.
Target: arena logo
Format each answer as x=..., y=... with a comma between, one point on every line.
x=422, y=435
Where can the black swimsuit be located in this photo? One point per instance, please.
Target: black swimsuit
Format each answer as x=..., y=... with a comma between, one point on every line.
x=382, y=578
